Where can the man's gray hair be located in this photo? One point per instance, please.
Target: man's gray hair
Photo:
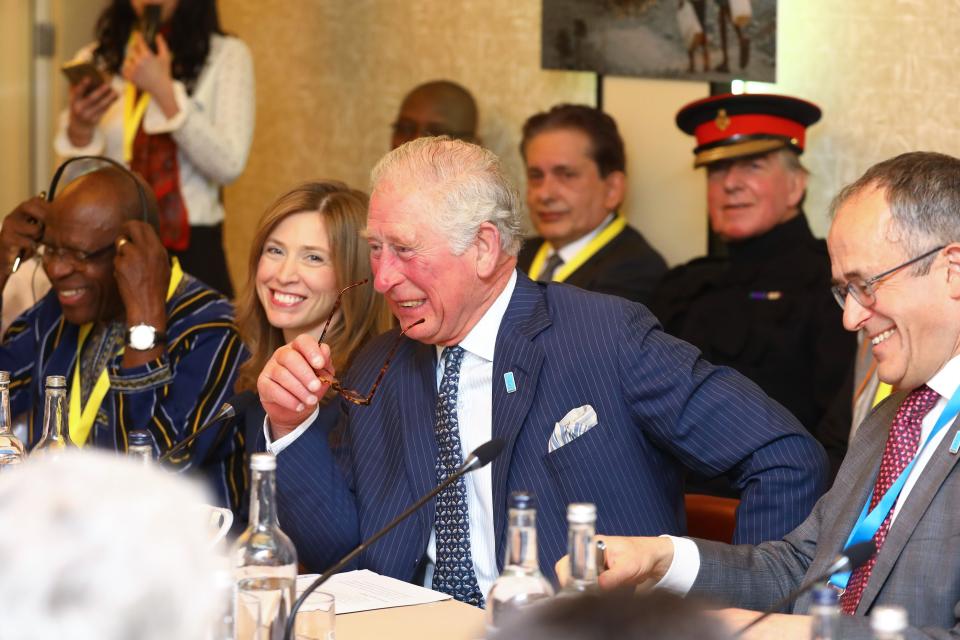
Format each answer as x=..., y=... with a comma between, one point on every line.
x=102, y=548
x=922, y=189
x=463, y=182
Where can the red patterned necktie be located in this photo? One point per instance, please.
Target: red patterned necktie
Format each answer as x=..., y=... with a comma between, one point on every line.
x=902, y=444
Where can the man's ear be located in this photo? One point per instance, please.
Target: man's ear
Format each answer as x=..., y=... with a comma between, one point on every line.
x=952, y=252
x=488, y=249
x=796, y=187
x=616, y=189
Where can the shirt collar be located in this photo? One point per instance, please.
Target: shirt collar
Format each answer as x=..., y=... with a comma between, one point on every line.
x=482, y=338
x=571, y=250
x=946, y=381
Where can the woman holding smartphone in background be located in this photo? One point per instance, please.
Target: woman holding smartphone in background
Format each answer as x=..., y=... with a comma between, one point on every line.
x=179, y=111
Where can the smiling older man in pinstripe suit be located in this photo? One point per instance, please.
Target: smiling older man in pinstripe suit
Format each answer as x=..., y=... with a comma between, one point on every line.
x=499, y=355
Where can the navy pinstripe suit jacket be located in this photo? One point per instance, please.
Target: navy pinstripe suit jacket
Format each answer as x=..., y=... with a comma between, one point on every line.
x=660, y=408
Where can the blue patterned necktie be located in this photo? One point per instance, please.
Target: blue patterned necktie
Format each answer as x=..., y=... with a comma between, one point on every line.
x=453, y=572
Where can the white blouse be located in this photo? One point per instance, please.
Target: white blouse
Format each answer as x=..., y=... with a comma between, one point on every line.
x=213, y=128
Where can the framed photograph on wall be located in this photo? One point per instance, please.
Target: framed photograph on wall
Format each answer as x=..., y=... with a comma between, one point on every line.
x=699, y=40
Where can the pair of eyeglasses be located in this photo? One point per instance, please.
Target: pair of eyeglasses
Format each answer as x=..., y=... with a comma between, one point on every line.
x=76, y=257
x=865, y=291
x=350, y=395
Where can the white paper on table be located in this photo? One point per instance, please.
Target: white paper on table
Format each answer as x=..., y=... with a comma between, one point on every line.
x=364, y=590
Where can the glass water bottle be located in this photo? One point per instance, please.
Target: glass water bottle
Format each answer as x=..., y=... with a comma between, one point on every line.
x=521, y=583
x=56, y=435
x=581, y=549
x=11, y=449
x=824, y=613
x=140, y=446
x=264, y=560
x=888, y=622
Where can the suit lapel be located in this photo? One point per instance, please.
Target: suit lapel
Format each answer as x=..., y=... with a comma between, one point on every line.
x=853, y=493
x=416, y=404
x=917, y=502
x=515, y=354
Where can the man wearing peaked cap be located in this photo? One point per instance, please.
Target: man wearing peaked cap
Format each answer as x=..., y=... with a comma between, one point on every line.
x=764, y=308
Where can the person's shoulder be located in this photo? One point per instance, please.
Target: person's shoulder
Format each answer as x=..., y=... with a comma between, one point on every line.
x=226, y=46
x=568, y=303
x=528, y=250
x=199, y=302
x=638, y=247
x=704, y=267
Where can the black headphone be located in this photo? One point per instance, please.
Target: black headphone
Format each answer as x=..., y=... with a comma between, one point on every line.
x=140, y=193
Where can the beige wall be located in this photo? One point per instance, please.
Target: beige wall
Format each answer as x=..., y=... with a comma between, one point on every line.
x=330, y=76
x=885, y=72
x=665, y=197
x=331, y=73
x=15, y=43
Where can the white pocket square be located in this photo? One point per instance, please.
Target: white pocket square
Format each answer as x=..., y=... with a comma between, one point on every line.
x=573, y=425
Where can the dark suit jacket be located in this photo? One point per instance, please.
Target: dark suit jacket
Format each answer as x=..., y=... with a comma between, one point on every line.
x=766, y=310
x=255, y=442
x=659, y=406
x=627, y=267
x=918, y=566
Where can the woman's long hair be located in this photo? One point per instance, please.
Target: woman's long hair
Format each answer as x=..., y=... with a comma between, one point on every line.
x=191, y=25
x=363, y=312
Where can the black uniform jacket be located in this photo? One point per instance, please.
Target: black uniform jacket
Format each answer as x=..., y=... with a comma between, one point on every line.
x=767, y=311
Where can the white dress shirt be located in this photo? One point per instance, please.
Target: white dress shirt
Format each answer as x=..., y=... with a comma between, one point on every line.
x=475, y=416
x=570, y=251
x=686, y=556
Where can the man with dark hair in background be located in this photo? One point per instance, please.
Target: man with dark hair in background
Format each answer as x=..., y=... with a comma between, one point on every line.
x=436, y=108
x=576, y=182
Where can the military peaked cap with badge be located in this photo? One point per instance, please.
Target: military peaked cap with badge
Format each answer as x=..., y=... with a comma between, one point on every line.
x=733, y=126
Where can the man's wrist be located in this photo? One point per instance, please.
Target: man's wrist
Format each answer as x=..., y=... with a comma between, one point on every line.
x=79, y=136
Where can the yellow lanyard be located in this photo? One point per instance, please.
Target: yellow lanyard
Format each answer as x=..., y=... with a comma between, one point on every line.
x=133, y=110
x=599, y=242
x=80, y=417
x=883, y=390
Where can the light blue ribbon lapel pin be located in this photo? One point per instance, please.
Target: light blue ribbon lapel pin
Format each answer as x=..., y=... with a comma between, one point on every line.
x=511, y=384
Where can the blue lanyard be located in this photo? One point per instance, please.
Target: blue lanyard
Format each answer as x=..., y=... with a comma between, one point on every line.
x=869, y=521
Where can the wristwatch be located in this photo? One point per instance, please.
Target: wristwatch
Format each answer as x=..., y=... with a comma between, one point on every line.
x=143, y=337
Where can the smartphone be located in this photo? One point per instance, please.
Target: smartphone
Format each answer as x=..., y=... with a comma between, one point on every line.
x=150, y=25
x=77, y=70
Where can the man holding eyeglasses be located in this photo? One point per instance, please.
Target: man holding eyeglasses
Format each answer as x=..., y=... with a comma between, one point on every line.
x=895, y=253
x=142, y=344
x=594, y=402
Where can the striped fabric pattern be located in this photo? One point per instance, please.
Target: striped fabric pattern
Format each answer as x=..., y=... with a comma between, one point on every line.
x=660, y=409
x=170, y=397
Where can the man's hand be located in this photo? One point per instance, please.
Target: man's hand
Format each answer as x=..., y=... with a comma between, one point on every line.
x=150, y=72
x=21, y=231
x=778, y=626
x=86, y=110
x=639, y=562
x=290, y=386
x=142, y=269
